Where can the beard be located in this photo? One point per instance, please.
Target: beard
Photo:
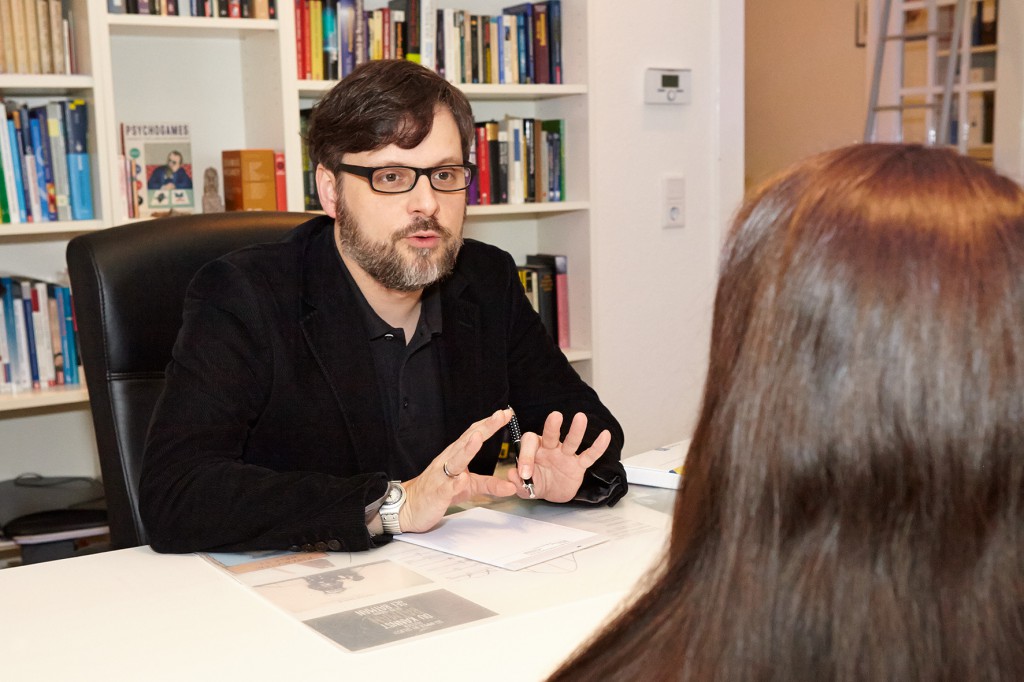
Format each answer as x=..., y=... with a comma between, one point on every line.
x=395, y=267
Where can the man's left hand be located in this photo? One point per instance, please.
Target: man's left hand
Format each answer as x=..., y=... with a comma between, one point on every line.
x=557, y=471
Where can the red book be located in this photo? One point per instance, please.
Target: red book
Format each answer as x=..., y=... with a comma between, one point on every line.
x=483, y=164
x=279, y=180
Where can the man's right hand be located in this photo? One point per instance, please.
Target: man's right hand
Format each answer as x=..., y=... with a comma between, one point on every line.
x=429, y=495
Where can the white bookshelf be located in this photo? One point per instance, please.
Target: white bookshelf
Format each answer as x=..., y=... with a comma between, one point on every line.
x=234, y=81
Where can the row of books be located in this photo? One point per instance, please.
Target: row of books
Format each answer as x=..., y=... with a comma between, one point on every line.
x=519, y=160
x=45, y=172
x=233, y=9
x=523, y=44
x=545, y=278
x=38, y=335
x=35, y=37
x=254, y=180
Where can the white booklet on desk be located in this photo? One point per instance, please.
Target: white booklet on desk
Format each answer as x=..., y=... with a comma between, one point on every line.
x=500, y=539
x=661, y=467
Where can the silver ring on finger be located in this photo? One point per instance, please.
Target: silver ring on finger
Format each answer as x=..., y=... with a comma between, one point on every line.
x=448, y=473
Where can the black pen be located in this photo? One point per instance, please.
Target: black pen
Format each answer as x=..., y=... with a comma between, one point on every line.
x=517, y=435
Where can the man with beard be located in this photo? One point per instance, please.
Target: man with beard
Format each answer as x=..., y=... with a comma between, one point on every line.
x=351, y=381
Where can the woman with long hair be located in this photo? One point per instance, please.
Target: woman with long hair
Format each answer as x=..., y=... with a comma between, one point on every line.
x=853, y=501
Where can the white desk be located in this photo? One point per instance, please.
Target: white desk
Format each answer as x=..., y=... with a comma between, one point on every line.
x=134, y=614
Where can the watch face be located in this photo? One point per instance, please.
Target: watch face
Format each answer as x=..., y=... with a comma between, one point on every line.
x=394, y=494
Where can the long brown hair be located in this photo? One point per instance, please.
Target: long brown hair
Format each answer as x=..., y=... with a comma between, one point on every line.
x=852, y=502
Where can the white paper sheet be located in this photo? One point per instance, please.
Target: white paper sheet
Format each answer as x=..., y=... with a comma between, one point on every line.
x=503, y=540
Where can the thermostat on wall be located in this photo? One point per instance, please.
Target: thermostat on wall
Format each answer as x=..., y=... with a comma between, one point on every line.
x=667, y=86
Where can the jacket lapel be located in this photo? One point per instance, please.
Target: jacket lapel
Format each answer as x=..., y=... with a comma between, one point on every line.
x=333, y=326
x=461, y=361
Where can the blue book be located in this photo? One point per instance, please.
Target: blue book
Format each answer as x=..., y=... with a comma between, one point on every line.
x=79, y=170
x=13, y=362
x=347, y=36
x=71, y=354
x=330, y=40
x=19, y=185
x=30, y=334
x=524, y=23
x=555, y=39
x=44, y=172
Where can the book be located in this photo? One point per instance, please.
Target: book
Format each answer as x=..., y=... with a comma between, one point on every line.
x=331, y=48
x=483, y=164
x=544, y=290
x=555, y=129
x=555, y=39
x=525, y=38
x=7, y=37
x=528, y=278
x=347, y=36
x=79, y=169
x=661, y=467
x=161, y=156
x=59, y=159
x=15, y=358
x=280, y=181
x=250, y=180
x=28, y=174
x=44, y=171
x=541, y=48
x=13, y=196
x=559, y=264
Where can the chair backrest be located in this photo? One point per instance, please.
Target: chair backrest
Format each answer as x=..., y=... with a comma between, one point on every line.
x=129, y=286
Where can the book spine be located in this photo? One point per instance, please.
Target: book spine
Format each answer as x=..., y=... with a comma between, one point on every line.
x=30, y=335
x=79, y=169
x=11, y=171
x=59, y=158
x=71, y=331
x=5, y=353
x=43, y=31
x=280, y=181
x=541, y=52
x=7, y=38
x=346, y=35
x=10, y=331
x=483, y=163
x=58, y=43
x=555, y=39
x=28, y=164
x=55, y=324
x=330, y=40
x=31, y=35
x=44, y=173
x=41, y=328
x=428, y=34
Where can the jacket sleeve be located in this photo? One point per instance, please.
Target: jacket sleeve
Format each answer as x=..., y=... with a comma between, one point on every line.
x=196, y=490
x=542, y=381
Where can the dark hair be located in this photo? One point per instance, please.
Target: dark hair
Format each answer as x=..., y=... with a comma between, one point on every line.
x=383, y=102
x=853, y=501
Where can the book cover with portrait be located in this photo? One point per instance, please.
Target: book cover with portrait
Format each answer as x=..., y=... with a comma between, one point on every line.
x=159, y=156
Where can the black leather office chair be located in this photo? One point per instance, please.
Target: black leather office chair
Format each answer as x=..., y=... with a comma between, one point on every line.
x=129, y=285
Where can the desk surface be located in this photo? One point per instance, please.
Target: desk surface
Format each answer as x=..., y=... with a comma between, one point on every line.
x=135, y=614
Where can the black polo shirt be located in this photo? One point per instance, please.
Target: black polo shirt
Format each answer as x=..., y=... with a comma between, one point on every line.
x=409, y=381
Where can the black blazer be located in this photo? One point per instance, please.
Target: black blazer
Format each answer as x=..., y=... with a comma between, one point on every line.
x=268, y=433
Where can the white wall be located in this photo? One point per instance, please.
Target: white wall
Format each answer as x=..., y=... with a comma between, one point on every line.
x=653, y=287
x=806, y=81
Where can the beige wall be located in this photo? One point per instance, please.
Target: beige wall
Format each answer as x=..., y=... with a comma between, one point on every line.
x=806, y=82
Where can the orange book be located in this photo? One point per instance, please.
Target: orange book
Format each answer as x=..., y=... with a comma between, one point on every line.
x=249, y=180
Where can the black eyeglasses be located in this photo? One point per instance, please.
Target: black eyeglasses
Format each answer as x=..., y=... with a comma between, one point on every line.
x=398, y=179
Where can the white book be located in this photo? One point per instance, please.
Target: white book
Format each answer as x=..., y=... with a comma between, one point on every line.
x=8, y=151
x=514, y=127
x=428, y=34
x=511, y=24
x=661, y=467
x=44, y=340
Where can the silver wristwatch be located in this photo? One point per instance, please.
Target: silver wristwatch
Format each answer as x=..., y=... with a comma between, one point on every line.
x=393, y=501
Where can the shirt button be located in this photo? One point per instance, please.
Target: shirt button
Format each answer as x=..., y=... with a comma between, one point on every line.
x=334, y=545
x=293, y=548
x=307, y=547
x=405, y=403
x=321, y=546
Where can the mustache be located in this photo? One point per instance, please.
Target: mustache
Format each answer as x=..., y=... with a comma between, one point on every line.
x=420, y=224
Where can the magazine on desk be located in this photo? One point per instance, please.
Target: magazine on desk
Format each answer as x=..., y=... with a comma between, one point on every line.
x=661, y=467
x=363, y=600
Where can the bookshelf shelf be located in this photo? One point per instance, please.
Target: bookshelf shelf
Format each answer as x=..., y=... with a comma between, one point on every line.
x=187, y=27
x=526, y=210
x=43, y=85
x=55, y=228
x=50, y=397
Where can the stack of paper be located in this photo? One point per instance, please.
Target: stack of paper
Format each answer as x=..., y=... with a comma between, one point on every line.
x=661, y=467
